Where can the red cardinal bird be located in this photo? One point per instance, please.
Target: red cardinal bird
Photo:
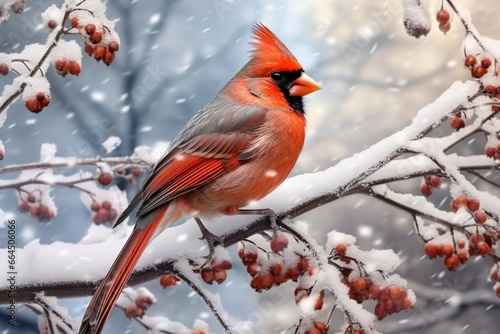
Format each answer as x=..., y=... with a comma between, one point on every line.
x=237, y=149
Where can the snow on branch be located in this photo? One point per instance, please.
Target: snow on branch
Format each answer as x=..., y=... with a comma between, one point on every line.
x=86, y=18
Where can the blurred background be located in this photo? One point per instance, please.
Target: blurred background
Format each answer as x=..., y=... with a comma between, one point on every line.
x=175, y=56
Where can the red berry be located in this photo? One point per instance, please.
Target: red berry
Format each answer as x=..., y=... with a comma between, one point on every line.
x=473, y=204
x=108, y=57
x=457, y=123
x=113, y=46
x=249, y=257
x=302, y=265
x=136, y=172
x=74, y=68
x=221, y=264
x=144, y=301
x=279, y=242
x=52, y=24
x=24, y=206
x=219, y=275
x=480, y=216
x=407, y=304
x=358, y=284
x=461, y=201
x=490, y=89
x=445, y=27
x=321, y=326
x=490, y=151
x=74, y=21
x=479, y=72
x=446, y=250
x=89, y=49
x=470, y=61
x=207, y=275
x=99, y=52
x=318, y=305
x=112, y=215
x=105, y=179
x=95, y=206
x=374, y=291
x=131, y=311
x=106, y=205
x=168, y=280
x=4, y=69
x=293, y=273
x=33, y=105
x=451, y=262
x=431, y=250
x=276, y=268
x=482, y=248
x=435, y=181
x=394, y=291
x=380, y=311
x=31, y=198
x=253, y=268
x=60, y=64
x=341, y=249
x=267, y=281
x=443, y=16
x=486, y=62
x=90, y=28
x=476, y=238
x=425, y=189
x=463, y=256
x=96, y=37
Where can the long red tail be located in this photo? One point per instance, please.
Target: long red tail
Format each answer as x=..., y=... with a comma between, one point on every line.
x=110, y=288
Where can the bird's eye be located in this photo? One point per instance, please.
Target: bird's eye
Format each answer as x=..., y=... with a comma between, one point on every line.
x=278, y=77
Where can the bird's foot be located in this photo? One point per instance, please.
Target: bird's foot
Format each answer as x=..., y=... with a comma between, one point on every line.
x=265, y=212
x=211, y=239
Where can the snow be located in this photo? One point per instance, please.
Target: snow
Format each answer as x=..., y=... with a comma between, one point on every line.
x=69, y=50
x=111, y=144
x=47, y=152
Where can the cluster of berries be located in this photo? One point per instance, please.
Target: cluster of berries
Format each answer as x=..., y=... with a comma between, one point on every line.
x=64, y=66
x=443, y=17
x=390, y=299
x=131, y=175
x=428, y=183
x=477, y=69
x=37, y=103
x=493, y=92
x=217, y=272
x=495, y=277
x=457, y=122
x=38, y=210
x=95, y=44
x=318, y=327
x=472, y=205
x=492, y=151
x=139, y=306
x=477, y=244
x=104, y=212
x=268, y=270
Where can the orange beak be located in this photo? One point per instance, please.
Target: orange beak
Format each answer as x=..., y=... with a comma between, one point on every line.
x=303, y=85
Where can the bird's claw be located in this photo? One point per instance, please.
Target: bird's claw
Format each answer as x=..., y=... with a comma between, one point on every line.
x=211, y=239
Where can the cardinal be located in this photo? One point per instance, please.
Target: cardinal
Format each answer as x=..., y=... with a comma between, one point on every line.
x=236, y=149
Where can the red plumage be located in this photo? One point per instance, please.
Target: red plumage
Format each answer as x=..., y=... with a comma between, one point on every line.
x=236, y=149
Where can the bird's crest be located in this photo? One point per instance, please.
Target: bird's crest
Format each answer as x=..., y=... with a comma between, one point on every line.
x=270, y=53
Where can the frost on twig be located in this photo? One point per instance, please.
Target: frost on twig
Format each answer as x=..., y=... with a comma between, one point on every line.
x=29, y=67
